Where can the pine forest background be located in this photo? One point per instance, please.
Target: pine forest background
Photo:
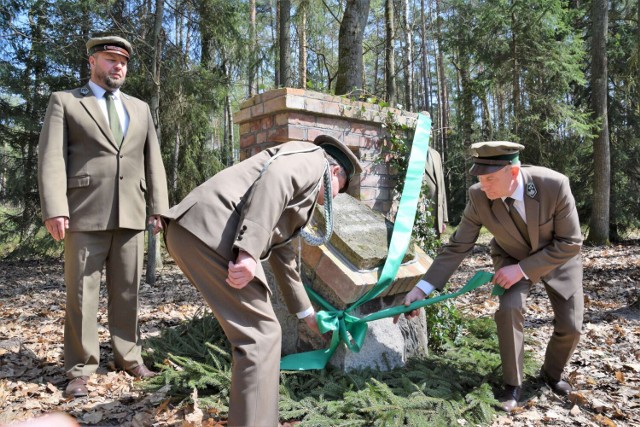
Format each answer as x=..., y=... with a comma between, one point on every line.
x=560, y=77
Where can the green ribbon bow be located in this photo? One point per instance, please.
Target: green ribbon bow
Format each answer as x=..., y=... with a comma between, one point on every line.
x=350, y=329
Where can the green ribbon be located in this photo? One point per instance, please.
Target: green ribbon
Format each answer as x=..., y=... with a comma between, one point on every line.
x=350, y=329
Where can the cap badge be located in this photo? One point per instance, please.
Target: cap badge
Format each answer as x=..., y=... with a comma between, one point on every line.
x=531, y=189
x=84, y=91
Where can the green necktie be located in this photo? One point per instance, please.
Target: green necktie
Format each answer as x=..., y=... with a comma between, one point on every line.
x=114, y=120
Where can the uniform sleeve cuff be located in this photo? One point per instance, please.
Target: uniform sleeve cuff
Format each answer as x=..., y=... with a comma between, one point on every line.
x=306, y=313
x=523, y=273
x=425, y=287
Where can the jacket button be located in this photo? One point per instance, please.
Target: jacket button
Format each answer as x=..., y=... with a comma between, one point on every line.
x=121, y=156
x=244, y=227
x=239, y=238
x=121, y=177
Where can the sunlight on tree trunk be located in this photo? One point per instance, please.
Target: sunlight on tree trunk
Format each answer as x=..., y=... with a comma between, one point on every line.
x=350, y=39
x=285, y=42
x=599, y=223
x=390, y=65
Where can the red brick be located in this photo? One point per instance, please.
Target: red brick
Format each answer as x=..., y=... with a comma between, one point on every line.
x=311, y=255
x=274, y=105
x=247, y=140
x=312, y=133
x=334, y=123
x=332, y=108
x=295, y=91
x=257, y=110
x=261, y=137
x=281, y=119
x=242, y=115
x=275, y=93
x=244, y=128
x=266, y=122
x=351, y=140
x=314, y=105
x=300, y=118
x=254, y=125
x=295, y=102
x=297, y=133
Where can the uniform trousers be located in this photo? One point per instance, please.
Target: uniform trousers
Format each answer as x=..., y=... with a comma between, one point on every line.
x=249, y=322
x=121, y=253
x=567, y=326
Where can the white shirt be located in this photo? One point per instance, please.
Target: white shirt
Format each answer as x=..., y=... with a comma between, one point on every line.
x=518, y=198
x=98, y=91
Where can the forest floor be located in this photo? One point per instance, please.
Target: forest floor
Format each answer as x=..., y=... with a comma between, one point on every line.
x=605, y=370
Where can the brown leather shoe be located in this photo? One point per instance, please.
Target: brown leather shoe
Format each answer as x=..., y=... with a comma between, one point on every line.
x=77, y=387
x=141, y=371
x=560, y=387
x=509, y=397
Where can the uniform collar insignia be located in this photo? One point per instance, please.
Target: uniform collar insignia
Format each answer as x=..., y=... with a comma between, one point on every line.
x=531, y=189
x=84, y=91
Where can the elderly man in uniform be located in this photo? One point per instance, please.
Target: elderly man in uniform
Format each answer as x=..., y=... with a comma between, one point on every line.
x=222, y=230
x=98, y=158
x=536, y=238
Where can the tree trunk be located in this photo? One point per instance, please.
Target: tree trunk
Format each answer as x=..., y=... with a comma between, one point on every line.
x=285, y=42
x=276, y=42
x=599, y=223
x=516, y=75
x=376, y=66
x=390, y=65
x=253, y=50
x=467, y=116
x=36, y=67
x=424, y=65
x=176, y=158
x=231, y=136
x=302, y=30
x=487, y=126
x=154, y=258
x=408, y=58
x=350, y=39
x=443, y=94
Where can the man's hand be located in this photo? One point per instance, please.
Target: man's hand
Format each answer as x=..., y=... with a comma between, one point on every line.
x=156, y=221
x=416, y=294
x=57, y=227
x=508, y=276
x=242, y=271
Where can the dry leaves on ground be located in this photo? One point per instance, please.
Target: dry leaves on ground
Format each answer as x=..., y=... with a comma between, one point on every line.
x=605, y=368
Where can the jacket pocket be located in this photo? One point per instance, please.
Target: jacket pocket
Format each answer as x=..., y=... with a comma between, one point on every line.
x=78, y=181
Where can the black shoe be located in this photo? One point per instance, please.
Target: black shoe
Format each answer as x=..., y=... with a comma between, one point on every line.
x=560, y=387
x=509, y=397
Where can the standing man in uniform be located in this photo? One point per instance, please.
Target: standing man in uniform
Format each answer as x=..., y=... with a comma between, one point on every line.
x=222, y=230
x=536, y=238
x=99, y=158
x=434, y=179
